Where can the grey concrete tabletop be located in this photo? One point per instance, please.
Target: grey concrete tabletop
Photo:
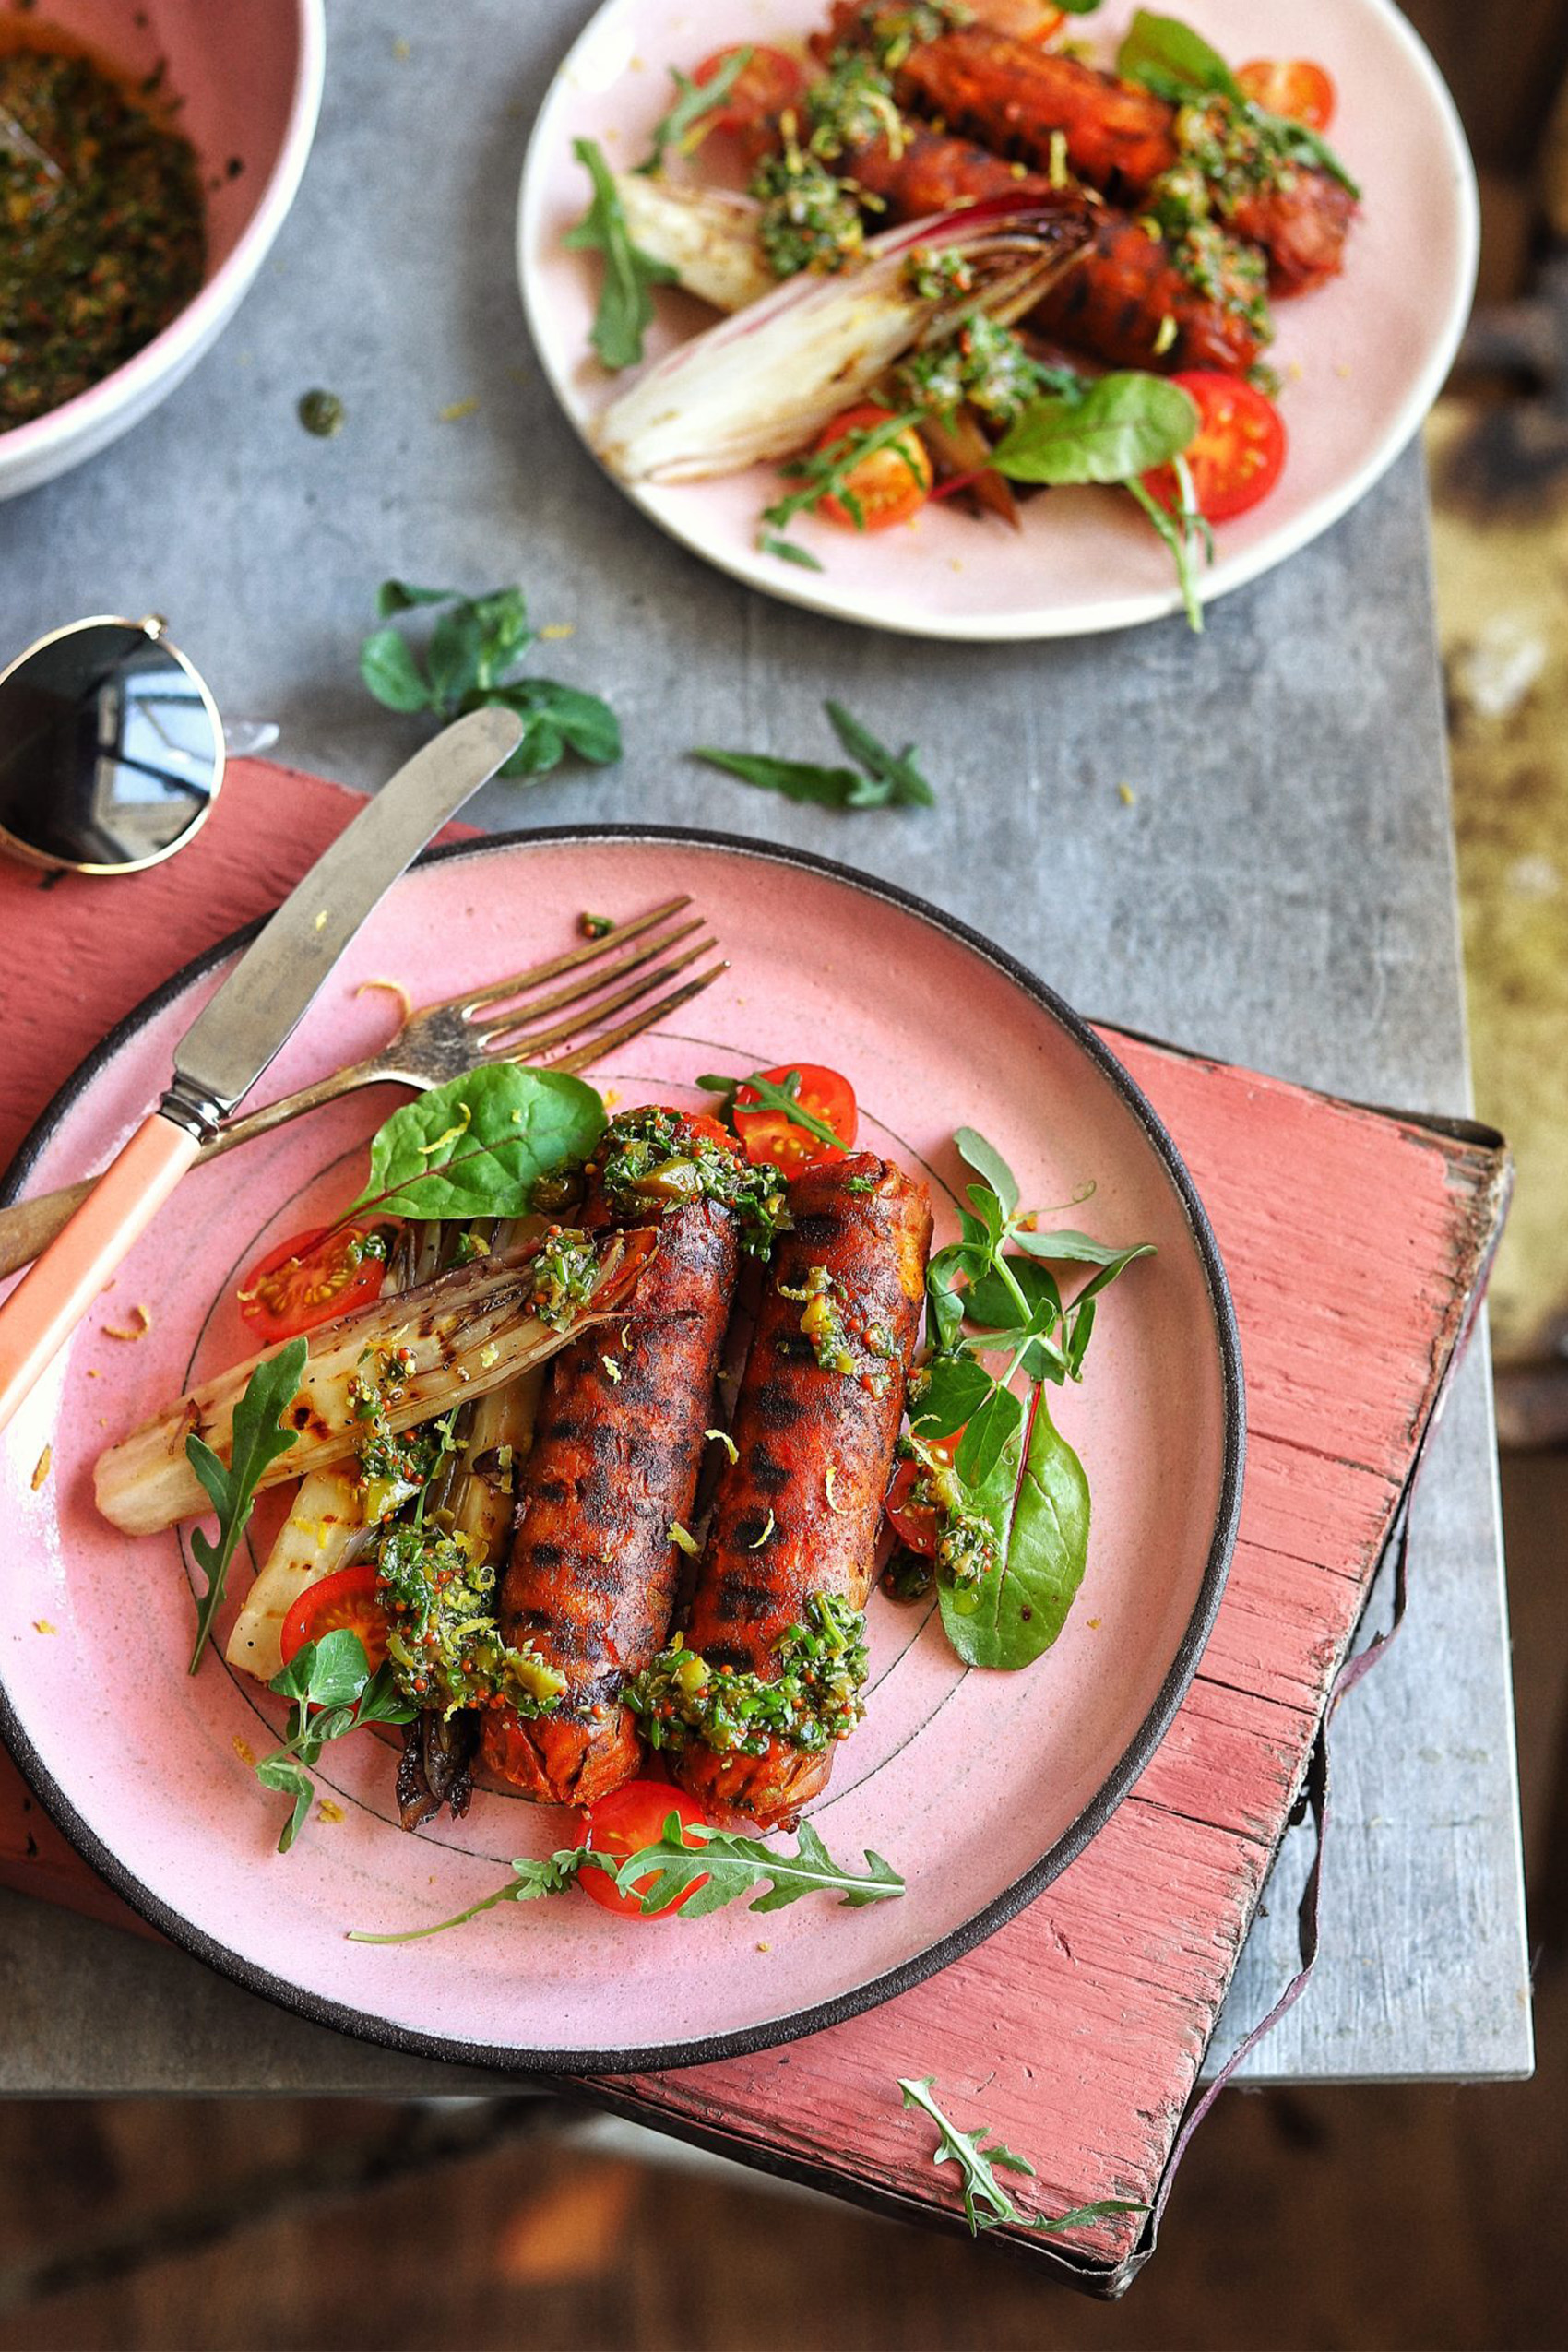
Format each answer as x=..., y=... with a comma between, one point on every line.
x=1280, y=889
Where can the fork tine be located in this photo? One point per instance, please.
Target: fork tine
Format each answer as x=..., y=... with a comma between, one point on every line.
x=588, y=983
x=583, y=1057
x=518, y=1037
x=589, y=952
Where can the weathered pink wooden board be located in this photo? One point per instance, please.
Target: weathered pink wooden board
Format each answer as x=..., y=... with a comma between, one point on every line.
x=1076, y=2032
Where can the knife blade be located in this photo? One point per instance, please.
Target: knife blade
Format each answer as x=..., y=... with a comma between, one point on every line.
x=240, y=1032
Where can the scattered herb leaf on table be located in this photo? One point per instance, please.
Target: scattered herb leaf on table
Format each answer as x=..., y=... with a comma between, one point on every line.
x=987, y=2204
x=886, y=779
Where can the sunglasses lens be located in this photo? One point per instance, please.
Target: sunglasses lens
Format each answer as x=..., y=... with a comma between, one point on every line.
x=109, y=753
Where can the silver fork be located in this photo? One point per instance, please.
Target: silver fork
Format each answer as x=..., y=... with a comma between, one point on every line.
x=507, y=1020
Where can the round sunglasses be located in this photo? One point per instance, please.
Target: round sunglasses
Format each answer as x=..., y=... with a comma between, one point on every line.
x=112, y=751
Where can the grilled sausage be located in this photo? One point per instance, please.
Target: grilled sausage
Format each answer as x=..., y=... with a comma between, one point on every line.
x=780, y=1534
x=1114, y=299
x=1016, y=97
x=592, y=1578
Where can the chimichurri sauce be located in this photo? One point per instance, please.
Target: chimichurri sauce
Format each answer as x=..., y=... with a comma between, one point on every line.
x=99, y=255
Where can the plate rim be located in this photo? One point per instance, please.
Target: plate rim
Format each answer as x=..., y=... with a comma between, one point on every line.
x=873, y=1991
x=1048, y=623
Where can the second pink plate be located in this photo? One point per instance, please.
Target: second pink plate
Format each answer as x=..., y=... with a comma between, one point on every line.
x=977, y=1787
x=1361, y=360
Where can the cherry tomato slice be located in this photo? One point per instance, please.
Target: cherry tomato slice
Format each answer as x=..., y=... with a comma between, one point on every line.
x=344, y=1602
x=631, y=1817
x=765, y=85
x=1020, y=19
x=1238, y=453
x=309, y=1278
x=769, y=1135
x=891, y=485
x=916, y=1523
x=1293, y=87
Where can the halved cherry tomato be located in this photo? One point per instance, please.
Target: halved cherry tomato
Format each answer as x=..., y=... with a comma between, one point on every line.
x=1293, y=87
x=769, y=1135
x=890, y=485
x=631, y=1817
x=310, y=1278
x=344, y=1602
x=916, y=1523
x=1238, y=453
x=1020, y=19
x=765, y=85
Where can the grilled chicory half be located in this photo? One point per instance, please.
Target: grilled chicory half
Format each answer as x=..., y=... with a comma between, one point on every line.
x=413, y=1356
x=760, y=384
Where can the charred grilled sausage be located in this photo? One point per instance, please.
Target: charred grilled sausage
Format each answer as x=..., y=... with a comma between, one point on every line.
x=797, y=1514
x=1016, y=97
x=1114, y=299
x=592, y=1578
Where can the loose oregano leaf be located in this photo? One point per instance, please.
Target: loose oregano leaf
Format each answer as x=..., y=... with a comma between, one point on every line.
x=476, y=1147
x=258, y=1440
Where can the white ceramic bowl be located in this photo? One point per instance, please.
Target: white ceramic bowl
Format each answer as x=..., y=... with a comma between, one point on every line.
x=248, y=73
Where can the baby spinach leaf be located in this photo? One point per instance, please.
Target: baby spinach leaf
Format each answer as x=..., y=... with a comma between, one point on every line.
x=1024, y=1610
x=626, y=306
x=1121, y=427
x=476, y=1146
x=258, y=1439
x=1159, y=51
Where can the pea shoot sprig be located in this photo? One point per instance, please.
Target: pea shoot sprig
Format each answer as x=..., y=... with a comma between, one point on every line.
x=987, y=2204
x=332, y=1691
x=1013, y=1501
x=697, y=1869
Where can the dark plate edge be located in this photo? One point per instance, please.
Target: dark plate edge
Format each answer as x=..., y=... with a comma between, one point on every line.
x=1022, y=1891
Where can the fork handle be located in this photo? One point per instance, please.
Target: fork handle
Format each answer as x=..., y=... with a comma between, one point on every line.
x=28, y=1227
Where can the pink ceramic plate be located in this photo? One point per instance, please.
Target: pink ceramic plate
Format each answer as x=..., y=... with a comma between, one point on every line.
x=977, y=1787
x=1362, y=359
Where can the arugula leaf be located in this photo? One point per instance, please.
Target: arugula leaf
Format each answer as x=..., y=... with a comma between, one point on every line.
x=1119, y=428
x=258, y=1440
x=472, y=650
x=786, y=551
x=476, y=1146
x=891, y=779
x=722, y=1866
x=625, y=307
x=333, y=1692
x=730, y=1866
x=987, y=2204
x=784, y=1099
x=903, y=785
x=687, y=125
x=825, y=473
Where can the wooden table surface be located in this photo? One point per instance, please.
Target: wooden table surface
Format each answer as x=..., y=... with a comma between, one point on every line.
x=1279, y=890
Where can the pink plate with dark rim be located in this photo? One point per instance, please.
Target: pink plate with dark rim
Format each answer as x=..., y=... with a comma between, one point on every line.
x=978, y=1787
x=1362, y=360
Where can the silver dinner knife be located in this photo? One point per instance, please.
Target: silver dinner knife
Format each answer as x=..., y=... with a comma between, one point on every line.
x=237, y=1036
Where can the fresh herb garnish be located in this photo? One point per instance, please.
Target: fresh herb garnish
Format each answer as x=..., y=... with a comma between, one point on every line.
x=1178, y=64
x=812, y=1699
x=655, y=1157
x=476, y=1147
x=825, y=473
x=784, y=1099
x=698, y=106
x=886, y=779
x=258, y=1440
x=468, y=663
x=1012, y=1506
x=987, y=2204
x=332, y=1691
x=625, y=305
x=1116, y=429
x=731, y=1866
x=444, y=1646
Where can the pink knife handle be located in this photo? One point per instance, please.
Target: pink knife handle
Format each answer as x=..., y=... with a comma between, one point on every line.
x=48, y=1303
